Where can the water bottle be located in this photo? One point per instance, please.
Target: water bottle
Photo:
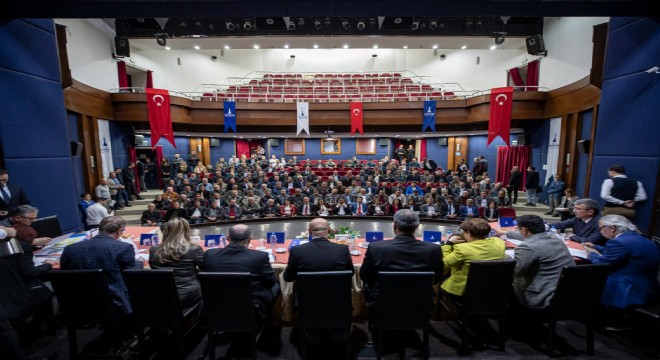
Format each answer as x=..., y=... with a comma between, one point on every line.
x=273, y=242
x=223, y=241
x=553, y=231
x=448, y=235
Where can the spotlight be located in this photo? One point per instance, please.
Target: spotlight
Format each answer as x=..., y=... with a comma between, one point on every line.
x=292, y=56
x=468, y=24
x=374, y=55
x=433, y=24
x=247, y=25
x=361, y=25
x=415, y=25
x=161, y=39
x=301, y=21
x=499, y=38
x=372, y=23
x=346, y=24
x=291, y=26
x=230, y=25
x=328, y=22
x=477, y=24
x=318, y=25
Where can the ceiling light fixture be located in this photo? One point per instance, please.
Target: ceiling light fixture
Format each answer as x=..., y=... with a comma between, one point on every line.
x=493, y=47
x=316, y=46
x=345, y=24
x=226, y=47
x=318, y=25
x=168, y=48
x=433, y=24
x=161, y=39
x=247, y=24
x=468, y=24
x=345, y=46
x=463, y=47
x=229, y=25
x=375, y=46
x=499, y=38
x=415, y=25
x=361, y=25
x=372, y=23
x=435, y=46
x=196, y=47
x=255, y=46
x=286, y=46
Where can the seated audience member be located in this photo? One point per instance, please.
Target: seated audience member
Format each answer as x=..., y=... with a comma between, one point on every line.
x=251, y=208
x=214, y=212
x=501, y=200
x=395, y=206
x=491, y=213
x=564, y=209
x=376, y=208
x=342, y=208
x=403, y=253
x=271, y=209
x=322, y=209
x=151, y=216
x=483, y=199
x=412, y=205
x=430, y=210
x=287, y=209
x=175, y=211
x=105, y=251
x=469, y=210
x=585, y=222
x=634, y=277
x=539, y=261
x=236, y=257
x=162, y=204
x=21, y=219
x=85, y=202
x=96, y=213
x=196, y=213
x=307, y=208
x=176, y=251
x=459, y=250
x=359, y=207
x=450, y=209
x=233, y=211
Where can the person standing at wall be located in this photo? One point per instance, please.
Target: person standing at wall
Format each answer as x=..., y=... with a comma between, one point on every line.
x=531, y=186
x=621, y=193
x=514, y=184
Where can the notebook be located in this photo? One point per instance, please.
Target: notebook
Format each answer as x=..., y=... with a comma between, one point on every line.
x=279, y=235
x=372, y=236
x=432, y=236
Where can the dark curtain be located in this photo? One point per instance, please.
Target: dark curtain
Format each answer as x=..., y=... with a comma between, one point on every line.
x=158, y=160
x=132, y=157
x=150, y=79
x=515, y=77
x=121, y=73
x=510, y=156
x=242, y=148
x=533, y=75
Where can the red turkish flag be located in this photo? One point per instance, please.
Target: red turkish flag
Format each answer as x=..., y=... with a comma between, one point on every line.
x=158, y=108
x=501, y=102
x=356, y=117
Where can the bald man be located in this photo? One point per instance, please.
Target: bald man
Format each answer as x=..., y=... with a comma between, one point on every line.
x=236, y=257
x=319, y=254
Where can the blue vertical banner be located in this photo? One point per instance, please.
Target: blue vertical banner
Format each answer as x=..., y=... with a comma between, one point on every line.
x=230, y=116
x=429, y=115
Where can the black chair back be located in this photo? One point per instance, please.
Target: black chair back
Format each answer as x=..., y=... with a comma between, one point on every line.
x=488, y=287
x=48, y=227
x=325, y=299
x=154, y=297
x=228, y=301
x=405, y=299
x=579, y=291
x=83, y=297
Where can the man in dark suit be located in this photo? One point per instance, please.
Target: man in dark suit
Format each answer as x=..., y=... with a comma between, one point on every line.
x=514, y=184
x=585, y=223
x=105, y=251
x=319, y=254
x=531, y=185
x=403, y=253
x=236, y=257
x=10, y=196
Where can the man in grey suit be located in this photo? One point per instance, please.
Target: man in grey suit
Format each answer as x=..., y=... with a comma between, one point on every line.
x=539, y=261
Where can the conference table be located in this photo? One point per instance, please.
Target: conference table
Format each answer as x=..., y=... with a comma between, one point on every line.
x=279, y=260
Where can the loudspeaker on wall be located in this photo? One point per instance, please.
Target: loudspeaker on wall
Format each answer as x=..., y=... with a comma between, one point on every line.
x=122, y=47
x=215, y=142
x=583, y=146
x=442, y=141
x=521, y=140
x=384, y=142
x=535, y=44
x=273, y=143
x=76, y=148
x=137, y=140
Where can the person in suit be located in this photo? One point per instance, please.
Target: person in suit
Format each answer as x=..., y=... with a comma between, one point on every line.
x=105, y=251
x=531, y=185
x=377, y=207
x=430, y=210
x=359, y=207
x=585, y=222
x=459, y=250
x=621, y=193
x=491, y=213
x=635, y=260
x=450, y=209
x=539, y=260
x=515, y=180
x=10, y=195
x=403, y=253
x=236, y=257
x=469, y=209
x=564, y=211
x=319, y=254
x=177, y=252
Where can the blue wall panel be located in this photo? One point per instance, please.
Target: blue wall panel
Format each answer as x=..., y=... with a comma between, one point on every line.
x=477, y=147
x=583, y=159
x=34, y=132
x=436, y=152
x=635, y=37
x=119, y=133
x=226, y=150
x=79, y=182
x=313, y=150
x=182, y=146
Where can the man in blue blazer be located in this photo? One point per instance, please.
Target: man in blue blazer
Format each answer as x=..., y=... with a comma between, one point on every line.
x=10, y=195
x=105, y=251
x=585, y=222
x=359, y=207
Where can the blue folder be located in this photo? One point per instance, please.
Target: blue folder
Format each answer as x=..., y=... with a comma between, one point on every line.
x=214, y=237
x=148, y=239
x=279, y=235
x=372, y=236
x=432, y=236
x=507, y=222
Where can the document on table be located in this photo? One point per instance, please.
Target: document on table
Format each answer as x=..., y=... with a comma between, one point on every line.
x=514, y=241
x=582, y=254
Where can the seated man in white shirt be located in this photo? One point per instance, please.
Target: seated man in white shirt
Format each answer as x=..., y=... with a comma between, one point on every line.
x=96, y=213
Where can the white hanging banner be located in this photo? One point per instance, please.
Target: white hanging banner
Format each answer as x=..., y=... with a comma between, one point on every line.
x=106, y=148
x=553, y=148
x=303, y=118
